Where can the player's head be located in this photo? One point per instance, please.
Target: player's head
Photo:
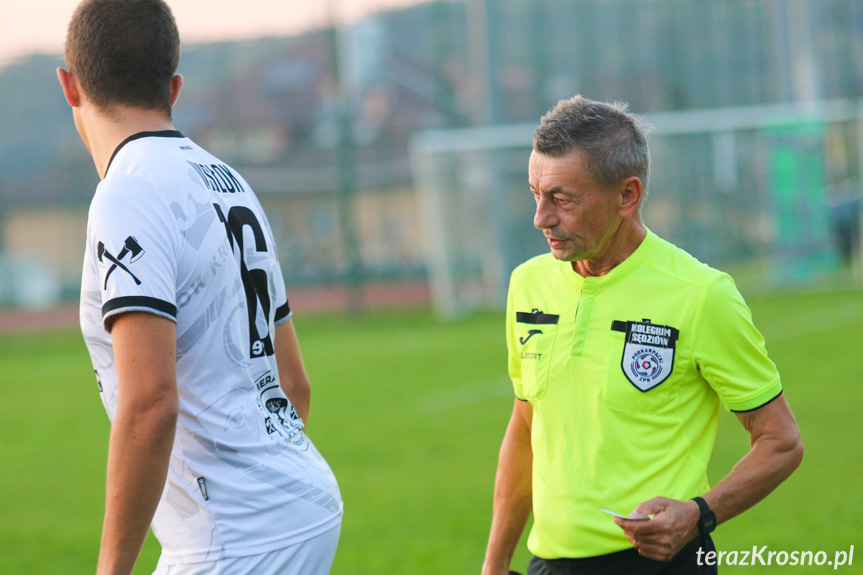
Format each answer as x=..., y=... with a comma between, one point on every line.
x=124, y=52
x=613, y=141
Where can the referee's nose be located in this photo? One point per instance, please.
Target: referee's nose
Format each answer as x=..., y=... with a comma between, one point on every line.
x=546, y=214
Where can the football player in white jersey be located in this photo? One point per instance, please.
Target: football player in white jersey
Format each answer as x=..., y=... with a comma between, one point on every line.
x=184, y=313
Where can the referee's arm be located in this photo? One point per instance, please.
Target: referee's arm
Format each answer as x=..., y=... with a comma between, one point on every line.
x=776, y=451
x=512, y=491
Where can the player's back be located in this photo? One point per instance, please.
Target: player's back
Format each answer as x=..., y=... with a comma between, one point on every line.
x=176, y=232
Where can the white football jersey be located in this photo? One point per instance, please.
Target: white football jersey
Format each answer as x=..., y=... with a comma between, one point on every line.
x=175, y=232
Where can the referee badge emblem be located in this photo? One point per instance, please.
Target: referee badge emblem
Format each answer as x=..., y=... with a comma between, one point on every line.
x=648, y=354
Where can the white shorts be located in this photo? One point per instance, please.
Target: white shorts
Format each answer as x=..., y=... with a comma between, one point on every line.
x=312, y=557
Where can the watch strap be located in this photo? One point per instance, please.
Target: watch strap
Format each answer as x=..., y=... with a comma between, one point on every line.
x=707, y=520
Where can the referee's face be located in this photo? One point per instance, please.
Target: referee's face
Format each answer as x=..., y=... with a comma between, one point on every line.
x=577, y=216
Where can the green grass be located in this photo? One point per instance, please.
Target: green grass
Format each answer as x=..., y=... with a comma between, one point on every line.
x=410, y=412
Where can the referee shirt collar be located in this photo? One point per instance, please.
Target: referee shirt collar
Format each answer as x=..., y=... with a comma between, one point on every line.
x=641, y=254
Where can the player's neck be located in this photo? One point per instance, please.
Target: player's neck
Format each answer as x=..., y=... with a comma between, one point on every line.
x=623, y=244
x=103, y=133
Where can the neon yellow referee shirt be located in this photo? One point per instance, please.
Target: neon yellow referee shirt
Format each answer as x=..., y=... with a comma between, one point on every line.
x=625, y=373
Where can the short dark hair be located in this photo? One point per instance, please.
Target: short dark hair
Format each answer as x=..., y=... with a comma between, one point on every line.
x=613, y=140
x=124, y=52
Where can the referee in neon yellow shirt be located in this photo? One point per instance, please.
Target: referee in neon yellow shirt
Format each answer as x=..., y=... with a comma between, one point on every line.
x=621, y=349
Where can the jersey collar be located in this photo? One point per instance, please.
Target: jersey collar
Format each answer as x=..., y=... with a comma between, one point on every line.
x=641, y=254
x=138, y=136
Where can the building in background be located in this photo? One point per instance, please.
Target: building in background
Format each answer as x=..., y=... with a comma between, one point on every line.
x=346, y=210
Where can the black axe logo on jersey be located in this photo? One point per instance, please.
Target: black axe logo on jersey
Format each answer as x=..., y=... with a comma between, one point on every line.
x=131, y=246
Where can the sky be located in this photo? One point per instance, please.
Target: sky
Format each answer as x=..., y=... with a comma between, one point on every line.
x=28, y=26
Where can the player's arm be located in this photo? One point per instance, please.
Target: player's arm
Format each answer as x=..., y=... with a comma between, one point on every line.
x=512, y=491
x=292, y=372
x=141, y=435
x=776, y=451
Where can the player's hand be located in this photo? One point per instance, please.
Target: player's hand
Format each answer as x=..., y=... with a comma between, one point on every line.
x=674, y=524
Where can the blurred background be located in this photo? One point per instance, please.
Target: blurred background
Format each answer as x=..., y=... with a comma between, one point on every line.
x=388, y=142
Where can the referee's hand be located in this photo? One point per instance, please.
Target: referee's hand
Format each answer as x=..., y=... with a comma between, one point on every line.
x=674, y=524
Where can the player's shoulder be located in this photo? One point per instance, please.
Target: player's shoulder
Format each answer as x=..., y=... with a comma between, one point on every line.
x=119, y=192
x=152, y=169
x=141, y=162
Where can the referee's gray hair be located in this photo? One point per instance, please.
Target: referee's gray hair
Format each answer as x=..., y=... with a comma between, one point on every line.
x=613, y=140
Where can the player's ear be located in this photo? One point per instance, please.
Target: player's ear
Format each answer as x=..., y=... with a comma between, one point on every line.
x=630, y=196
x=70, y=87
x=176, y=85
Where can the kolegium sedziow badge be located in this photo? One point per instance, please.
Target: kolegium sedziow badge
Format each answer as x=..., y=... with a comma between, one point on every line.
x=648, y=355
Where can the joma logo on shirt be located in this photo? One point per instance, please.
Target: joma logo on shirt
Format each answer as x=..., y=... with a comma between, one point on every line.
x=530, y=334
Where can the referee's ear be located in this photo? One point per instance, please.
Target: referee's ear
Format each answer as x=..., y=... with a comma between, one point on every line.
x=70, y=87
x=630, y=196
x=176, y=85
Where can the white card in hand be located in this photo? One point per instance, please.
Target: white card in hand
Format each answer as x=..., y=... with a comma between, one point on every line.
x=642, y=518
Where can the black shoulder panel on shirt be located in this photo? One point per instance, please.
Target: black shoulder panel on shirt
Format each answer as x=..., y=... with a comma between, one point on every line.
x=138, y=302
x=282, y=312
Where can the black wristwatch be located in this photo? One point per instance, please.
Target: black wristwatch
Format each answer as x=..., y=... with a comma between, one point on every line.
x=707, y=521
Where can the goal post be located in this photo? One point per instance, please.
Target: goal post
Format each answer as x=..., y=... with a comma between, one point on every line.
x=464, y=197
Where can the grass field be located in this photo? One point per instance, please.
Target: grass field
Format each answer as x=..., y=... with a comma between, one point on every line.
x=410, y=413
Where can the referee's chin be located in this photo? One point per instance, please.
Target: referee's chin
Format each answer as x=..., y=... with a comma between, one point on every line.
x=564, y=255
x=558, y=254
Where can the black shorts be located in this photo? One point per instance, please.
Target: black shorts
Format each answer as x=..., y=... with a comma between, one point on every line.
x=629, y=562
